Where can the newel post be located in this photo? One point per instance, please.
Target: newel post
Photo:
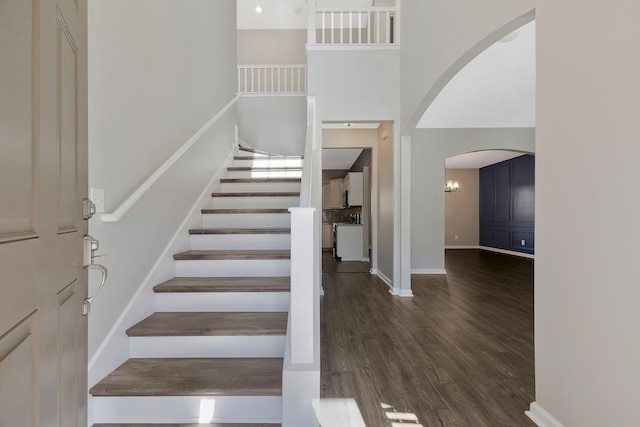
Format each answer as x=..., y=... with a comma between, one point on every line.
x=302, y=263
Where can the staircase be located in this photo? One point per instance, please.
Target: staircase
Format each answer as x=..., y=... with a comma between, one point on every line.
x=213, y=350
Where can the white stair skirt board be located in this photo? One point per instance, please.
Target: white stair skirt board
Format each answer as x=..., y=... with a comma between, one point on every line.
x=256, y=202
x=234, y=268
x=187, y=409
x=235, y=220
x=233, y=187
x=541, y=417
x=240, y=241
x=219, y=346
x=223, y=302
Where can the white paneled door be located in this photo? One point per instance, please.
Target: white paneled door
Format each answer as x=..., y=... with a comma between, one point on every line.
x=43, y=178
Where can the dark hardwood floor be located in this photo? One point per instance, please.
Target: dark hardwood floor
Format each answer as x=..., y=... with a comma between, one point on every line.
x=459, y=353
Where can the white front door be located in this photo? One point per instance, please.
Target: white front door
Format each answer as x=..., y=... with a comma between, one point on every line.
x=43, y=178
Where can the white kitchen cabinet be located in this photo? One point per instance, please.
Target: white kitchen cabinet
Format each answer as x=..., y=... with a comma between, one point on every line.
x=327, y=236
x=326, y=196
x=349, y=241
x=335, y=186
x=354, y=183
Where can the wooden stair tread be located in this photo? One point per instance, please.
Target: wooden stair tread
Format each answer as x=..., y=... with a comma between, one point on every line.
x=210, y=324
x=225, y=284
x=187, y=425
x=240, y=231
x=260, y=180
x=194, y=377
x=212, y=255
x=246, y=211
x=258, y=194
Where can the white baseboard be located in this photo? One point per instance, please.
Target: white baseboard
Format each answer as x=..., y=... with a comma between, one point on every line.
x=406, y=293
x=541, y=417
x=461, y=247
x=503, y=251
x=115, y=345
x=429, y=271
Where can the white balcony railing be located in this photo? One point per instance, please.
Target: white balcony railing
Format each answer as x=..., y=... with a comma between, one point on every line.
x=272, y=79
x=370, y=25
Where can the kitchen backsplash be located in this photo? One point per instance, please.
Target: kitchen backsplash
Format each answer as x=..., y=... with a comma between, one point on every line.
x=330, y=216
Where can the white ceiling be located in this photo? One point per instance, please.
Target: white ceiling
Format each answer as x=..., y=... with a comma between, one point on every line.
x=339, y=158
x=496, y=89
x=479, y=159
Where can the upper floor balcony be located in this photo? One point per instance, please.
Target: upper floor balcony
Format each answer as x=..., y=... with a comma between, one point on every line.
x=353, y=23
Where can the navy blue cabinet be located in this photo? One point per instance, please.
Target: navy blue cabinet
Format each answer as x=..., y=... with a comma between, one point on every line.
x=507, y=204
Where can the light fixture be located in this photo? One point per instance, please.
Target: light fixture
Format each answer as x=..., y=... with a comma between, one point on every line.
x=451, y=186
x=258, y=9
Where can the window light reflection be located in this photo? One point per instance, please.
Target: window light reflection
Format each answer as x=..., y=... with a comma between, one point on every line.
x=207, y=409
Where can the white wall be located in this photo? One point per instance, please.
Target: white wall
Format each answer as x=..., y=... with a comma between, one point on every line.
x=362, y=85
x=355, y=85
x=158, y=69
x=586, y=277
x=385, y=207
x=429, y=149
x=258, y=47
x=440, y=37
x=461, y=209
x=277, y=124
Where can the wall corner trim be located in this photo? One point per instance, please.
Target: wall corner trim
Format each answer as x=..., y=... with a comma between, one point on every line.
x=429, y=271
x=541, y=417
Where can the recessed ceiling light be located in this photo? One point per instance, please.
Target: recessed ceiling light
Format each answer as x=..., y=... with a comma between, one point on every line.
x=258, y=9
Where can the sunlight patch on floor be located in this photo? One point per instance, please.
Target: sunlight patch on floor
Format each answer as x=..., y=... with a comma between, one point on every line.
x=338, y=413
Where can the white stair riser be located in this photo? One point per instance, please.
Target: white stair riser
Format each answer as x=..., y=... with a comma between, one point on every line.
x=234, y=268
x=240, y=187
x=282, y=220
x=272, y=202
x=263, y=162
x=219, y=346
x=187, y=409
x=240, y=241
x=275, y=173
x=223, y=302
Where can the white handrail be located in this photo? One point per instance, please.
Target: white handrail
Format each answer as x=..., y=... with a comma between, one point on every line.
x=148, y=183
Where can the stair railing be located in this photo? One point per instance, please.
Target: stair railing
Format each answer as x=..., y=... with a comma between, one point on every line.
x=354, y=26
x=301, y=375
x=272, y=79
x=116, y=215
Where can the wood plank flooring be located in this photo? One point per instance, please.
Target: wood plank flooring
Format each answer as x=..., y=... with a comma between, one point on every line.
x=459, y=353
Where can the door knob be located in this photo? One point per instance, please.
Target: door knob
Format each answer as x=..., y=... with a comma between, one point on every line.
x=89, y=247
